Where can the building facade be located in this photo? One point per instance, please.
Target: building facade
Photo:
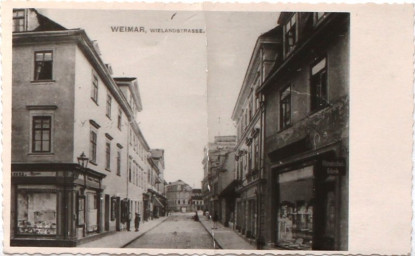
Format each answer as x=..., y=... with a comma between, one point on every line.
x=218, y=175
x=73, y=151
x=249, y=118
x=306, y=116
x=197, y=200
x=179, y=195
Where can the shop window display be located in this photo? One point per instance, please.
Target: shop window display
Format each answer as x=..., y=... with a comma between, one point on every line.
x=36, y=212
x=295, y=213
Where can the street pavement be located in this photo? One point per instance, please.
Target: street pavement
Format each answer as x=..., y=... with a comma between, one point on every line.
x=178, y=231
x=121, y=238
x=225, y=237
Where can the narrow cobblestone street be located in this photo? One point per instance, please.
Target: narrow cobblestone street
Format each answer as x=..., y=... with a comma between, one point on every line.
x=178, y=231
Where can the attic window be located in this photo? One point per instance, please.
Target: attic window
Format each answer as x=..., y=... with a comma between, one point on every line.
x=18, y=20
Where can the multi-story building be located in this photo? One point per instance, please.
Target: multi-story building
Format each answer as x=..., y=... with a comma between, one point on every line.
x=156, y=190
x=179, y=195
x=197, y=200
x=249, y=121
x=71, y=171
x=306, y=116
x=219, y=174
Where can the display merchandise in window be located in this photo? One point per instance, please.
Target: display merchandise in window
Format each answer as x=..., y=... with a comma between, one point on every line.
x=295, y=212
x=36, y=212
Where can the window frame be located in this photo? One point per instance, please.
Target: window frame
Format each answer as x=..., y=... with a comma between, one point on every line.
x=24, y=26
x=41, y=129
x=108, y=106
x=43, y=52
x=284, y=101
x=291, y=27
x=93, y=145
x=108, y=155
x=95, y=87
x=319, y=97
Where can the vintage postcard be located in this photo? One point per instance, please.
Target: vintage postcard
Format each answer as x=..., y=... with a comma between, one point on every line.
x=207, y=128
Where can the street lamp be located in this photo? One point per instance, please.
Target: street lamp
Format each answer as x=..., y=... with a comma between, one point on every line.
x=83, y=162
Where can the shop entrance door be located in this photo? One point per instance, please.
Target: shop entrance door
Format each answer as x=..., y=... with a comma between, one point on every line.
x=326, y=221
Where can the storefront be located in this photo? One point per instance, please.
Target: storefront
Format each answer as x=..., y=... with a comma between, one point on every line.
x=308, y=200
x=54, y=204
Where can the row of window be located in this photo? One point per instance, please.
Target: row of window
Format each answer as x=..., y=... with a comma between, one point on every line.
x=291, y=30
x=136, y=145
x=93, y=142
x=318, y=92
x=249, y=160
x=136, y=174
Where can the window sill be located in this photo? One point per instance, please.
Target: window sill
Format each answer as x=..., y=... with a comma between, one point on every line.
x=108, y=117
x=285, y=128
x=41, y=154
x=43, y=81
x=109, y=170
x=93, y=163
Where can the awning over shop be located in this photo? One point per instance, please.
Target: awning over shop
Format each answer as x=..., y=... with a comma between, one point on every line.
x=157, y=202
x=229, y=191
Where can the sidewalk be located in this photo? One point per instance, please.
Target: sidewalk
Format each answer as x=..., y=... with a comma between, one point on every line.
x=121, y=239
x=225, y=238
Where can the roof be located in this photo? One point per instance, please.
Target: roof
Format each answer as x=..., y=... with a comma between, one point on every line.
x=46, y=24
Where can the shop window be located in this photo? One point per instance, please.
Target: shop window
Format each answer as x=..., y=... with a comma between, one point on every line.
x=92, y=212
x=295, y=212
x=41, y=133
x=290, y=30
x=18, y=20
x=36, y=212
x=318, y=85
x=80, y=210
x=43, y=65
x=285, y=107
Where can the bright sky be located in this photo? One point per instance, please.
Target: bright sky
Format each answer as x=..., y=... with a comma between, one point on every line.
x=176, y=72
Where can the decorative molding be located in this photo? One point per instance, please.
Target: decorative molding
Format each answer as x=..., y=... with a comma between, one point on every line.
x=93, y=123
x=41, y=107
x=108, y=136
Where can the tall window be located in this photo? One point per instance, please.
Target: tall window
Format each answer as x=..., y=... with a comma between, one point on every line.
x=18, y=20
x=108, y=156
x=93, y=146
x=129, y=170
x=119, y=163
x=109, y=99
x=318, y=85
x=290, y=30
x=41, y=133
x=119, y=119
x=94, y=89
x=285, y=107
x=43, y=65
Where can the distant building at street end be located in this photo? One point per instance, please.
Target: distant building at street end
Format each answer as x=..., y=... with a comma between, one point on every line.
x=179, y=195
x=197, y=200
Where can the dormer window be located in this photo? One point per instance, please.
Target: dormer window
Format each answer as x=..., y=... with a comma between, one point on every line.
x=18, y=20
x=290, y=33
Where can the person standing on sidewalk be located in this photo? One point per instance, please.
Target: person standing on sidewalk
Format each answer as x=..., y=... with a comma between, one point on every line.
x=129, y=217
x=137, y=221
x=215, y=220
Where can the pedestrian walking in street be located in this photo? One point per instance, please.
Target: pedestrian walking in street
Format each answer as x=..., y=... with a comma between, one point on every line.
x=129, y=221
x=137, y=221
x=215, y=220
